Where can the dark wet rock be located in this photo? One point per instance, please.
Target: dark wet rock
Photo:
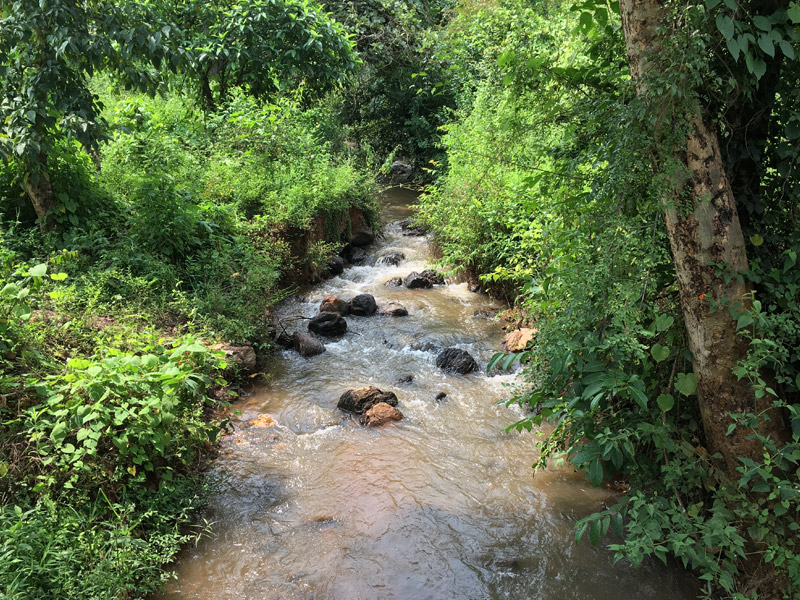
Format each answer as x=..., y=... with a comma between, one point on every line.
x=401, y=172
x=328, y=324
x=284, y=339
x=336, y=265
x=363, y=305
x=432, y=276
x=410, y=229
x=414, y=281
x=360, y=400
x=455, y=360
x=485, y=313
x=381, y=414
x=394, y=282
x=474, y=288
x=405, y=379
x=440, y=396
x=334, y=305
x=362, y=238
x=394, y=309
x=392, y=258
x=425, y=346
x=355, y=255
x=307, y=345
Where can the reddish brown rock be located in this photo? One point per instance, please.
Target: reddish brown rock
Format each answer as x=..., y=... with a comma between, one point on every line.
x=394, y=309
x=380, y=414
x=264, y=421
x=519, y=339
x=335, y=305
x=360, y=400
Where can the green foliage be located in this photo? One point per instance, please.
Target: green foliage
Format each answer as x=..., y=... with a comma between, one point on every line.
x=120, y=414
x=92, y=548
x=260, y=46
x=402, y=91
x=550, y=193
x=47, y=51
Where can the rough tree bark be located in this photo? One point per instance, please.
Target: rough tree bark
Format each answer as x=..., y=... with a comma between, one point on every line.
x=706, y=238
x=40, y=192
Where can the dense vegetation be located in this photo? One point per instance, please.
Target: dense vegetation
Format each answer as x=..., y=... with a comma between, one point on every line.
x=569, y=181
x=159, y=159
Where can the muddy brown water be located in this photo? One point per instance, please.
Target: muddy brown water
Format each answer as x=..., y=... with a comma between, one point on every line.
x=441, y=506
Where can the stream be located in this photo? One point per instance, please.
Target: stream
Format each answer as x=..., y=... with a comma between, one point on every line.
x=441, y=505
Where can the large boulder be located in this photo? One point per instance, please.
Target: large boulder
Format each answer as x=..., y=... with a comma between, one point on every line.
x=307, y=345
x=328, y=324
x=360, y=400
x=415, y=281
x=432, y=276
x=392, y=258
x=394, y=309
x=336, y=265
x=401, y=172
x=363, y=305
x=334, y=305
x=362, y=238
x=410, y=229
x=380, y=414
x=355, y=255
x=455, y=360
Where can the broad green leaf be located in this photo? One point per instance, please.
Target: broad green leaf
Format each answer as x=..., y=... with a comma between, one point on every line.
x=639, y=396
x=794, y=12
x=58, y=276
x=664, y=322
x=659, y=352
x=38, y=271
x=756, y=240
x=58, y=433
x=686, y=383
x=765, y=43
x=762, y=22
x=787, y=49
x=743, y=321
x=725, y=25
x=665, y=402
x=10, y=290
x=22, y=312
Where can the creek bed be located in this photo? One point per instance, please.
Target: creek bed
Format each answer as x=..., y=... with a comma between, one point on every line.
x=439, y=506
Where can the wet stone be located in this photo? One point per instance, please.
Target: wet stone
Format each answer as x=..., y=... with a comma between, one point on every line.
x=355, y=255
x=393, y=258
x=381, y=414
x=360, y=400
x=394, y=309
x=405, y=379
x=415, y=281
x=440, y=396
x=394, y=282
x=363, y=305
x=334, y=305
x=455, y=360
x=328, y=324
x=307, y=345
x=432, y=276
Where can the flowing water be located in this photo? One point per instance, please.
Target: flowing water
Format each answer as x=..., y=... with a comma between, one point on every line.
x=441, y=505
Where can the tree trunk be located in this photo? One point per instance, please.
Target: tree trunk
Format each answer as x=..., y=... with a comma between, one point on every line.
x=40, y=192
x=708, y=250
